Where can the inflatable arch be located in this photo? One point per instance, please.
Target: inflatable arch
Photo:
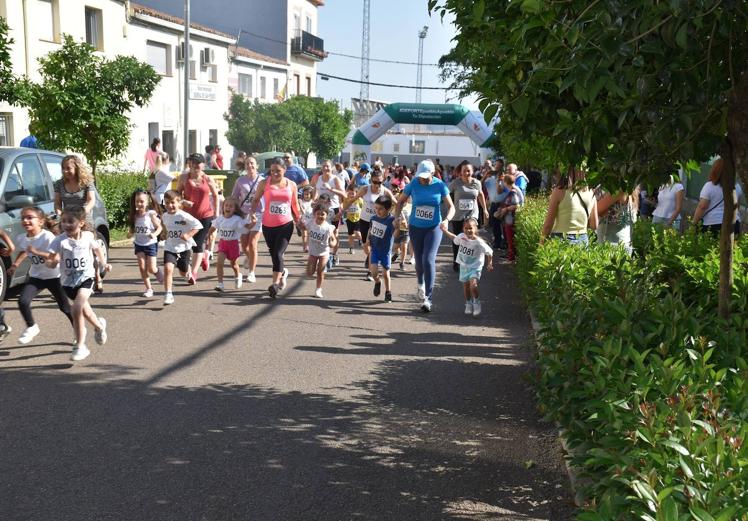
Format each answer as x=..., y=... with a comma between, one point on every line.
x=472, y=125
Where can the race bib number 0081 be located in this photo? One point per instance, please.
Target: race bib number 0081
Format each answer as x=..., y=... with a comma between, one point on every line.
x=425, y=213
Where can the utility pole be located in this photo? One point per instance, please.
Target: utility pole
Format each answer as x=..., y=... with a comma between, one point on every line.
x=419, y=78
x=186, y=119
x=365, y=37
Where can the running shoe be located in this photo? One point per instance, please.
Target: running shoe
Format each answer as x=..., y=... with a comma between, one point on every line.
x=284, y=278
x=369, y=278
x=239, y=280
x=412, y=261
x=160, y=276
x=191, y=279
x=148, y=293
x=469, y=307
x=318, y=293
x=377, y=288
x=251, y=277
x=273, y=290
x=219, y=286
x=388, y=296
x=28, y=334
x=80, y=353
x=336, y=260
x=476, y=308
x=168, y=299
x=350, y=251
x=395, y=256
x=100, y=333
x=402, y=266
x=427, y=305
x=205, y=263
x=4, y=331
x=421, y=291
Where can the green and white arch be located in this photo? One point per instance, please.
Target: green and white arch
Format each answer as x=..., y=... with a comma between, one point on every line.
x=471, y=124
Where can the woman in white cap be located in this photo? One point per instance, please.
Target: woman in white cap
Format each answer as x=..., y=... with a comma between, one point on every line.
x=427, y=195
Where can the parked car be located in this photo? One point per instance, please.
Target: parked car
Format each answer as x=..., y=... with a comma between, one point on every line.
x=27, y=176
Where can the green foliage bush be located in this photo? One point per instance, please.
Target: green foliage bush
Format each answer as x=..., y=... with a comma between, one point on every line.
x=115, y=189
x=648, y=384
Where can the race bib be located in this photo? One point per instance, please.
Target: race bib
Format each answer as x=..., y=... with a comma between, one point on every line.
x=35, y=260
x=466, y=204
x=424, y=213
x=279, y=208
x=142, y=230
x=369, y=210
x=377, y=230
x=173, y=234
x=352, y=210
x=226, y=234
x=75, y=264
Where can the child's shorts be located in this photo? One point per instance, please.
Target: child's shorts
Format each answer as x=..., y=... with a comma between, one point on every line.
x=229, y=248
x=402, y=237
x=182, y=260
x=257, y=227
x=352, y=227
x=151, y=250
x=72, y=292
x=381, y=257
x=467, y=273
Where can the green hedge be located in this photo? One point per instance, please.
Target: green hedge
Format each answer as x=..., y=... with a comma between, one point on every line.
x=115, y=189
x=649, y=386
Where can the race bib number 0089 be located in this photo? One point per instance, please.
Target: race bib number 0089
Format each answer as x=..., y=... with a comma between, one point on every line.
x=425, y=213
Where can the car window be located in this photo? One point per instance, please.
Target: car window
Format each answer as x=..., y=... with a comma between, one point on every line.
x=26, y=177
x=54, y=166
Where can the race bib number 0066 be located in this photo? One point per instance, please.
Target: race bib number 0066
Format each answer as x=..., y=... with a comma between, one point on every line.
x=425, y=213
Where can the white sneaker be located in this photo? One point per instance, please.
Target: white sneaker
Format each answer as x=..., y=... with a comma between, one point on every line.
x=28, y=334
x=427, y=305
x=469, y=307
x=476, y=308
x=318, y=293
x=421, y=291
x=4, y=332
x=251, y=277
x=168, y=299
x=336, y=260
x=412, y=260
x=238, y=282
x=100, y=334
x=219, y=286
x=284, y=278
x=80, y=353
x=148, y=293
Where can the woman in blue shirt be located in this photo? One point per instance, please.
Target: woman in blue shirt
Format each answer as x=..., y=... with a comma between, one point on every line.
x=427, y=194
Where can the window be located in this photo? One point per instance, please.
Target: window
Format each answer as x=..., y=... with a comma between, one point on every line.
x=6, y=130
x=213, y=73
x=297, y=84
x=26, y=178
x=94, y=28
x=296, y=23
x=309, y=25
x=308, y=86
x=54, y=166
x=193, y=141
x=167, y=142
x=158, y=56
x=46, y=19
x=263, y=91
x=396, y=147
x=193, y=70
x=417, y=147
x=245, y=84
x=275, y=88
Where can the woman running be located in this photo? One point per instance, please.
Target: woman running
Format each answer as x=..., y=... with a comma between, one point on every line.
x=469, y=197
x=369, y=194
x=245, y=191
x=427, y=194
x=330, y=185
x=279, y=215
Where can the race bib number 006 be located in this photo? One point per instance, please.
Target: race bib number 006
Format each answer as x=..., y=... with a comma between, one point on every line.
x=425, y=213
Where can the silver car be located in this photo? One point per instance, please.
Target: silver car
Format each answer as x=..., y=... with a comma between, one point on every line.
x=26, y=179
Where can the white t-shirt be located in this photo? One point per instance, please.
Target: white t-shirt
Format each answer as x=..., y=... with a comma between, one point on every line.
x=162, y=182
x=144, y=227
x=319, y=237
x=40, y=242
x=471, y=252
x=666, y=200
x=76, y=258
x=306, y=208
x=229, y=228
x=343, y=176
x=176, y=224
x=713, y=193
x=325, y=188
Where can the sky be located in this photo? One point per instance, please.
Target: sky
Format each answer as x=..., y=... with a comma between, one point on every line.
x=394, y=36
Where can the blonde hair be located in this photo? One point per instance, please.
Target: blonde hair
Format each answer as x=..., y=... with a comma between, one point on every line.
x=82, y=170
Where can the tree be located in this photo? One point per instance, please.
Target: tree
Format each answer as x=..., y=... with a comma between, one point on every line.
x=83, y=100
x=300, y=124
x=630, y=87
x=7, y=82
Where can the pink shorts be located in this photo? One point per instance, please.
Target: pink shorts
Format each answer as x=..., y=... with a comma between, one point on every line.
x=229, y=248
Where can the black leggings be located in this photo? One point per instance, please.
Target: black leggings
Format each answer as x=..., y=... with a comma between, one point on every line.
x=32, y=288
x=277, y=238
x=363, y=227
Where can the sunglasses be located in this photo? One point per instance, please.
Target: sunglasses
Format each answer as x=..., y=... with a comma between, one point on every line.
x=376, y=182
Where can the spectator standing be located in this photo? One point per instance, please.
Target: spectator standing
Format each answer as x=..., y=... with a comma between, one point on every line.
x=151, y=155
x=711, y=207
x=572, y=209
x=669, y=204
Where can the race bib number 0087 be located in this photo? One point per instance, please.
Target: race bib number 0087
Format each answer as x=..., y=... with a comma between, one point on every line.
x=425, y=213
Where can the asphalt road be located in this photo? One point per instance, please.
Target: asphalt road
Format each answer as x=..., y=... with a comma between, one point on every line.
x=236, y=407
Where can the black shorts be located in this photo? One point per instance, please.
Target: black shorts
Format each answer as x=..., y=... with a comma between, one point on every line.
x=352, y=227
x=201, y=235
x=182, y=260
x=72, y=292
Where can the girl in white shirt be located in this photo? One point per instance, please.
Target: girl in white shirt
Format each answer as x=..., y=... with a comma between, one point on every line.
x=229, y=227
x=321, y=238
x=144, y=225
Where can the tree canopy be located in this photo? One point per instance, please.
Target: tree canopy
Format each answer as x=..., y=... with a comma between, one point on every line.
x=83, y=100
x=7, y=83
x=300, y=124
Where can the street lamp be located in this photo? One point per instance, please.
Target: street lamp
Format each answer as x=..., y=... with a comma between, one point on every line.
x=419, y=78
x=186, y=122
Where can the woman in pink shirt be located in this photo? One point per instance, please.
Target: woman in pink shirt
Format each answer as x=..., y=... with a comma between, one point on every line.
x=279, y=216
x=151, y=155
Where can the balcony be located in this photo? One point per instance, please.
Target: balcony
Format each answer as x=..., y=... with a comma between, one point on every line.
x=308, y=45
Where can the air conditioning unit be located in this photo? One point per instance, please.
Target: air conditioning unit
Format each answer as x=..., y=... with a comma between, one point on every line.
x=180, y=52
x=207, y=56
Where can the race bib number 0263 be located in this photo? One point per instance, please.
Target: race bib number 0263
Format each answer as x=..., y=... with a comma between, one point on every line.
x=278, y=208
x=425, y=213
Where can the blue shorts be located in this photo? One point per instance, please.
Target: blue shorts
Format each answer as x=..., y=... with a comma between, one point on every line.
x=381, y=257
x=150, y=251
x=467, y=273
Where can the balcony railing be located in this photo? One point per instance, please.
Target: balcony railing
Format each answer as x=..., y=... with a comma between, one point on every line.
x=306, y=44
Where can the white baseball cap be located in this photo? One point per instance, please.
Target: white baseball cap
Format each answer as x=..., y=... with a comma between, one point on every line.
x=425, y=169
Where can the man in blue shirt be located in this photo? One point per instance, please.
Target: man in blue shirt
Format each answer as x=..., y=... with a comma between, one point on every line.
x=520, y=179
x=29, y=142
x=295, y=173
x=362, y=177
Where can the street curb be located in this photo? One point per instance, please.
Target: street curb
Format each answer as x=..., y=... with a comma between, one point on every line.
x=123, y=243
x=574, y=479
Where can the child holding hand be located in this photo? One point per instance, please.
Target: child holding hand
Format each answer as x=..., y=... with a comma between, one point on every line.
x=381, y=234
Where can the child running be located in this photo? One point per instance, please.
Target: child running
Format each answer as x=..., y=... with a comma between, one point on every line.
x=180, y=228
x=352, y=207
x=381, y=232
x=41, y=276
x=305, y=204
x=403, y=238
x=229, y=227
x=144, y=225
x=5, y=252
x=74, y=249
x=471, y=253
x=321, y=237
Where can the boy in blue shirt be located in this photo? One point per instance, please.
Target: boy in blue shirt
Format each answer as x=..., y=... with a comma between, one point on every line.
x=380, y=239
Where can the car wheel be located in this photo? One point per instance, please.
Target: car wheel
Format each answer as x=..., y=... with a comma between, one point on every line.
x=3, y=281
x=101, y=240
